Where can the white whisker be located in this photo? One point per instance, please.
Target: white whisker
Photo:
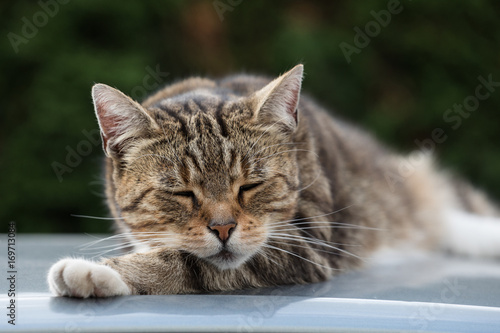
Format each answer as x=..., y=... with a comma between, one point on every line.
x=96, y=217
x=313, y=217
x=318, y=174
x=314, y=241
x=126, y=236
x=276, y=234
x=296, y=255
x=330, y=225
x=302, y=246
x=267, y=255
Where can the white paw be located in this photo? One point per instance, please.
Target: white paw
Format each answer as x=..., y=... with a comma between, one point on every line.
x=83, y=278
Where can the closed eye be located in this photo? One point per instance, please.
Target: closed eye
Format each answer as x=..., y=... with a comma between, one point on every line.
x=248, y=187
x=187, y=194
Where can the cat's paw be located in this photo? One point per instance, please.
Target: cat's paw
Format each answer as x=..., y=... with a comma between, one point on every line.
x=83, y=278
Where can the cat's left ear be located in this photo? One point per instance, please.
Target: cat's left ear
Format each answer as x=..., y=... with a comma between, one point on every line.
x=277, y=102
x=121, y=119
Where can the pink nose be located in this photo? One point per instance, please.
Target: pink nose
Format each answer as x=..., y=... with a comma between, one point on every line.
x=223, y=231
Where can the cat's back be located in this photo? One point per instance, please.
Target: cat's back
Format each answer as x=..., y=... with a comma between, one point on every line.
x=232, y=86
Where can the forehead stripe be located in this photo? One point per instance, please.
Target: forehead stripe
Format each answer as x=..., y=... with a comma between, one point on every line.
x=220, y=120
x=194, y=159
x=136, y=201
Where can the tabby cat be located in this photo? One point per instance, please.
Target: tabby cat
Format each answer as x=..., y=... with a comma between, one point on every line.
x=235, y=183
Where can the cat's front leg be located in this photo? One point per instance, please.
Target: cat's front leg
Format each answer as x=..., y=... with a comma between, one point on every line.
x=163, y=271
x=155, y=272
x=83, y=278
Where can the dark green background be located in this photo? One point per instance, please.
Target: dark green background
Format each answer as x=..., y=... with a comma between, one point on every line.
x=399, y=86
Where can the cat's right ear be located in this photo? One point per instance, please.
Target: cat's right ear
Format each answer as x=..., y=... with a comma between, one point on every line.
x=120, y=118
x=278, y=101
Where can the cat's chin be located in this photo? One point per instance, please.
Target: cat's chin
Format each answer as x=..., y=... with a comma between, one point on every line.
x=227, y=260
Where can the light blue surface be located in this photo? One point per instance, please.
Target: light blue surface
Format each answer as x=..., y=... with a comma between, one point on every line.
x=201, y=313
x=436, y=294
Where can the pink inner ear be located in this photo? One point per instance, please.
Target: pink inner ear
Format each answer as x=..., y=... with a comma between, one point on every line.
x=107, y=120
x=120, y=118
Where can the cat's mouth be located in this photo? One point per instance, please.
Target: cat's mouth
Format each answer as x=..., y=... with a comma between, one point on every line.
x=223, y=255
x=226, y=259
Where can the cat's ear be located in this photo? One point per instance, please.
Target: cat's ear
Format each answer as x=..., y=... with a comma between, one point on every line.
x=120, y=118
x=277, y=102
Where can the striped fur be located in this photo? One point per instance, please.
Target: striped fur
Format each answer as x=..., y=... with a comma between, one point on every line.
x=310, y=195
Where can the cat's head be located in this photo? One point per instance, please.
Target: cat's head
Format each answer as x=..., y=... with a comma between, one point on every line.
x=204, y=170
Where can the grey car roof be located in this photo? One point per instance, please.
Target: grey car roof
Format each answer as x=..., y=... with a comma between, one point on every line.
x=433, y=293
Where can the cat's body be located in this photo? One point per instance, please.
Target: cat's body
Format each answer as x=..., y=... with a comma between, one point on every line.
x=222, y=185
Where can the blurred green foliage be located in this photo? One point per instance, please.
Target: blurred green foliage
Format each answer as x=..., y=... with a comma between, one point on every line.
x=422, y=62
